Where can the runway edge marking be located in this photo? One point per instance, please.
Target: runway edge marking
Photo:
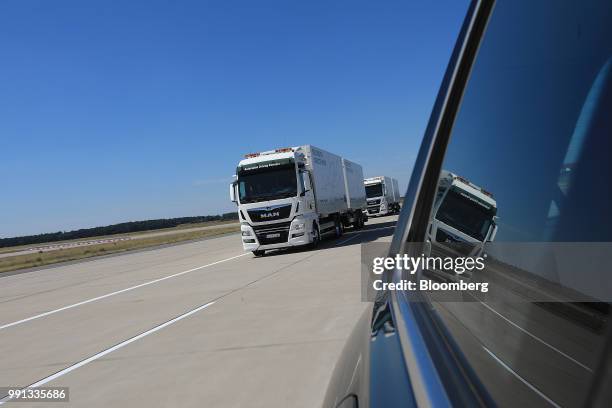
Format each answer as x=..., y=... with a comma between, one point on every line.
x=107, y=295
x=110, y=350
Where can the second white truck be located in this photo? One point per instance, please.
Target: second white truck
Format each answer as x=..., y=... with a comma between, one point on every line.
x=293, y=196
x=383, y=195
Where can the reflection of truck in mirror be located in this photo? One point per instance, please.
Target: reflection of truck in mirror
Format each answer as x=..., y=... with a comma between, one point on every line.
x=293, y=196
x=462, y=212
x=383, y=195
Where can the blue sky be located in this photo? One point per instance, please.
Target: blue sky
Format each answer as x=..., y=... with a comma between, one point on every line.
x=115, y=111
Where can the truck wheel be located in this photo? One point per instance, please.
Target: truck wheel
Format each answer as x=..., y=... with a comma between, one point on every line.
x=358, y=224
x=259, y=253
x=315, y=237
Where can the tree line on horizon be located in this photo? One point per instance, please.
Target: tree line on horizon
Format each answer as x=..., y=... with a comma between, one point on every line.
x=121, y=228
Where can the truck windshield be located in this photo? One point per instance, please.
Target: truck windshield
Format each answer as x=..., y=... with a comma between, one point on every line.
x=374, y=190
x=465, y=214
x=268, y=183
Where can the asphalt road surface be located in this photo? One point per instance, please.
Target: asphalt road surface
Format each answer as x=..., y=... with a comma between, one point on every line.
x=195, y=324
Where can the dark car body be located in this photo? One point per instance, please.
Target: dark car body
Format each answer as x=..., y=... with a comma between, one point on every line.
x=405, y=350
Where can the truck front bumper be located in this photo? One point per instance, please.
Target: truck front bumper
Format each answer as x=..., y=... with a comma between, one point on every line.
x=275, y=236
x=375, y=210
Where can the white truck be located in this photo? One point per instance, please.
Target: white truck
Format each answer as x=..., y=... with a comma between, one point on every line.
x=463, y=212
x=382, y=195
x=293, y=196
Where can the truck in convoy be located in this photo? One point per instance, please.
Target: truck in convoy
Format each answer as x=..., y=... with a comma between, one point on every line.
x=463, y=212
x=294, y=196
x=382, y=195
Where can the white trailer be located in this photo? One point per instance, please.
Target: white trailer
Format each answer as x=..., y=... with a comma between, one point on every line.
x=354, y=188
x=396, y=192
x=383, y=195
x=293, y=196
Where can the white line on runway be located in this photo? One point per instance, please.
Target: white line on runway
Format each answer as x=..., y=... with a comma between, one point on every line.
x=132, y=339
x=524, y=381
x=536, y=337
x=84, y=302
x=110, y=350
x=347, y=240
x=370, y=230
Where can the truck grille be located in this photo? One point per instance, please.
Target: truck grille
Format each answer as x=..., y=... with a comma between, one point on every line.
x=272, y=233
x=269, y=213
x=375, y=209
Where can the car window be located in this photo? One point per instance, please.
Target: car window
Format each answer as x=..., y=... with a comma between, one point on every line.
x=526, y=184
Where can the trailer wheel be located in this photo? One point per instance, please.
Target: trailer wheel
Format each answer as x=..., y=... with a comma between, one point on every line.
x=358, y=224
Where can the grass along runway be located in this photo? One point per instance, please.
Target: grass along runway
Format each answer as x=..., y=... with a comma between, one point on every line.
x=35, y=259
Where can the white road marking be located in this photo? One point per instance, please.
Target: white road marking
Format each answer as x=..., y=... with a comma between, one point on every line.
x=132, y=339
x=84, y=302
x=524, y=381
x=110, y=350
x=533, y=336
x=370, y=230
x=347, y=240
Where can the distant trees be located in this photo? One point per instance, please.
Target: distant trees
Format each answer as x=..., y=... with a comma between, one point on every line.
x=122, y=228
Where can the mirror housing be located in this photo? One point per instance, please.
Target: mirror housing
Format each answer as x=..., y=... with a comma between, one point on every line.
x=306, y=187
x=232, y=187
x=493, y=233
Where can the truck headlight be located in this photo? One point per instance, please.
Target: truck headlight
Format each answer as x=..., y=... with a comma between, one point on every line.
x=299, y=226
x=246, y=233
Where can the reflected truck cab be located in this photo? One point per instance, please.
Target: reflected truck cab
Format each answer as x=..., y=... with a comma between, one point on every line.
x=462, y=212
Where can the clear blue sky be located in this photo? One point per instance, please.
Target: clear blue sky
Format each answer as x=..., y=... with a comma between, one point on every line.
x=114, y=111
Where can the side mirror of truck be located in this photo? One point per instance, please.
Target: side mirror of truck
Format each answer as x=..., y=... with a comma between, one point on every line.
x=233, y=192
x=306, y=187
x=493, y=233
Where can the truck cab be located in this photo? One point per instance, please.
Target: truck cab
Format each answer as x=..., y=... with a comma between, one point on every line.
x=382, y=195
x=276, y=206
x=463, y=212
x=292, y=196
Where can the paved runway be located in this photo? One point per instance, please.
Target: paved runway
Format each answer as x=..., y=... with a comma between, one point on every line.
x=197, y=324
